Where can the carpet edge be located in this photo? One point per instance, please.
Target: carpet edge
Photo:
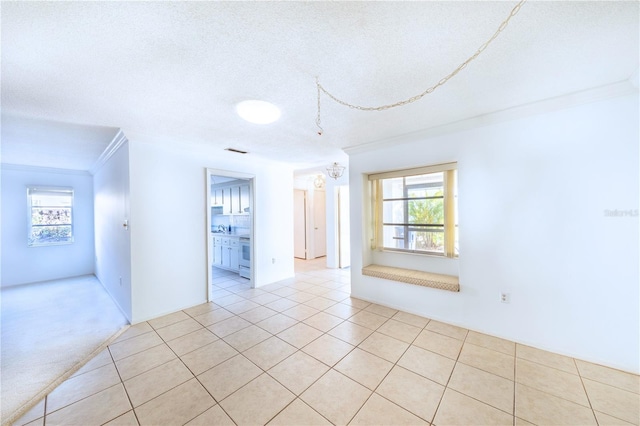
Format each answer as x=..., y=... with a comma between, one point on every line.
x=49, y=388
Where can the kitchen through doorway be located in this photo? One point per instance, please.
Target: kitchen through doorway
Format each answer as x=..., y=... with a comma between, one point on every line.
x=230, y=228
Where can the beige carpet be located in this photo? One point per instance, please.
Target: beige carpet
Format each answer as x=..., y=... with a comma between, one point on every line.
x=49, y=330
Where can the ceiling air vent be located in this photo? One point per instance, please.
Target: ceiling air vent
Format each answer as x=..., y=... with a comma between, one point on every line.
x=235, y=150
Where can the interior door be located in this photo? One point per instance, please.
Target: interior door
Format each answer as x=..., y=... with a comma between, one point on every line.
x=299, y=223
x=319, y=223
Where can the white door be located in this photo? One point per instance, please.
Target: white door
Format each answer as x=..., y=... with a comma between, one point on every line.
x=344, y=248
x=319, y=223
x=299, y=223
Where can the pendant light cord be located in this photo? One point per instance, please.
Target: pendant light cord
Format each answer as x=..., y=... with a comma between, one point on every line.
x=321, y=88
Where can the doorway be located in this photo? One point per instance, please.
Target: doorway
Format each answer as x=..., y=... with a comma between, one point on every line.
x=300, y=223
x=319, y=223
x=230, y=213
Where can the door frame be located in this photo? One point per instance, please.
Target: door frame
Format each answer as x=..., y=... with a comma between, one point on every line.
x=305, y=215
x=252, y=208
x=313, y=227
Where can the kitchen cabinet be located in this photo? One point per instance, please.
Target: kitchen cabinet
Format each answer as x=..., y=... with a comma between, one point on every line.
x=234, y=193
x=217, y=251
x=226, y=200
x=226, y=257
x=226, y=253
x=217, y=197
x=234, y=199
x=244, y=199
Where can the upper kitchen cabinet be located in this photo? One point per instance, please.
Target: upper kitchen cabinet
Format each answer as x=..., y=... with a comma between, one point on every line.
x=233, y=197
x=244, y=198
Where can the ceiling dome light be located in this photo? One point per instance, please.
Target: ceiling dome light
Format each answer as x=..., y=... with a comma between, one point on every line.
x=258, y=112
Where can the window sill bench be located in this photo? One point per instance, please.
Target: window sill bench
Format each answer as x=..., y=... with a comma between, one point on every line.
x=411, y=276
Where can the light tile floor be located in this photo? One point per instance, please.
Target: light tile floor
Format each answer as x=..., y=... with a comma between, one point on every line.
x=303, y=352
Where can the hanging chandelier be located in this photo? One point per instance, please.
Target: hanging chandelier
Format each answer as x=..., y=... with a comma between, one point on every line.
x=321, y=89
x=335, y=170
x=318, y=182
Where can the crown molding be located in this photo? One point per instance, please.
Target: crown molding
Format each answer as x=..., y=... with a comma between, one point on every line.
x=622, y=88
x=38, y=169
x=118, y=140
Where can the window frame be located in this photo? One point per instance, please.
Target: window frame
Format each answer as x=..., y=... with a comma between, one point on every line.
x=449, y=197
x=34, y=190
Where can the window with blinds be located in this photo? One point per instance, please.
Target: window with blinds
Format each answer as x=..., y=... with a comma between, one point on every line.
x=415, y=210
x=50, y=212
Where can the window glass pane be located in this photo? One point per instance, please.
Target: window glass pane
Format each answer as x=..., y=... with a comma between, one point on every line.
x=393, y=211
x=393, y=237
x=427, y=239
x=424, y=191
x=392, y=188
x=50, y=235
x=413, y=213
x=430, y=239
x=50, y=216
x=429, y=211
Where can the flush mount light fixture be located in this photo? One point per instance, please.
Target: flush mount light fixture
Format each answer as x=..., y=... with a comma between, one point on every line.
x=258, y=112
x=335, y=170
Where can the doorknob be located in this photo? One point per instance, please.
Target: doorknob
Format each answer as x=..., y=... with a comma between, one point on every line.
x=125, y=224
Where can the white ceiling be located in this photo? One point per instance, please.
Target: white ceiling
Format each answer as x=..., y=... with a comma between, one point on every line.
x=172, y=72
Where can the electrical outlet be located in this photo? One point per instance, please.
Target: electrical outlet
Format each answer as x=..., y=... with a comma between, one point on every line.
x=505, y=297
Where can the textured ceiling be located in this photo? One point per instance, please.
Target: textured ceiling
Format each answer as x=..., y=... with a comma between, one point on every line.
x=43, y=143
x=172, y=72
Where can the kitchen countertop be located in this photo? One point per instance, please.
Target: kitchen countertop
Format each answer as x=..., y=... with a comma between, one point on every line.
x=232, y=235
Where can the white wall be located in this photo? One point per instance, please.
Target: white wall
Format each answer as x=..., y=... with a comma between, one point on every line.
x=533, y=194
x=168, y=224
x=22, y=264
x=113, y=243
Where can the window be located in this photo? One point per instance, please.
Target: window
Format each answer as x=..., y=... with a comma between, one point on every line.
x=415, y=210
x=50, y=213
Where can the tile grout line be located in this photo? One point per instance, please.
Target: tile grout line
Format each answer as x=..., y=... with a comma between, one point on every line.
x=195, y=377
x=297, y=397
x=123, y=386
x=593, y=411
x=446, y=386
x=389, y=372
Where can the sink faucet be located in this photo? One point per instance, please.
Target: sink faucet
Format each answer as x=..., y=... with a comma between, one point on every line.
x=222, y=228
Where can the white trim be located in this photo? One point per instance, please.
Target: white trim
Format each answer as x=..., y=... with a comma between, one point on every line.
x=118, y=140
x=621, y=88
x=38, y=169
